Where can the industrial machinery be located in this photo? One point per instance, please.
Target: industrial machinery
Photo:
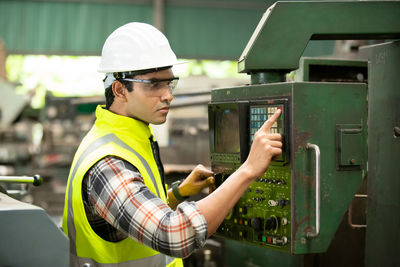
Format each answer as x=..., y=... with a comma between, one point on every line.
x=30, y=237
x=297, y=205
x=281, y=209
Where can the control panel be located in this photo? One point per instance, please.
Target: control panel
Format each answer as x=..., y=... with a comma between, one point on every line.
x=262, y=216
x=297, y=204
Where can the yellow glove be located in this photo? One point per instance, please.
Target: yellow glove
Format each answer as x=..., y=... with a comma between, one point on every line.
x=198, y=179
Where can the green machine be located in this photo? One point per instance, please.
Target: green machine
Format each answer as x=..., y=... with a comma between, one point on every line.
x=296, y=207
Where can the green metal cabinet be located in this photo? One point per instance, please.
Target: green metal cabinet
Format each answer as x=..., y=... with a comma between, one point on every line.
x=332, y=116
x=383, y=220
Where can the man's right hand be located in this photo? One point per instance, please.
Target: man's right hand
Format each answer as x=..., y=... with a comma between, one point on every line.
x=265, y=146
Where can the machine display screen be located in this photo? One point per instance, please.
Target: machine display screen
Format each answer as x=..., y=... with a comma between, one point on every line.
x=227, y=134
x=259, y=114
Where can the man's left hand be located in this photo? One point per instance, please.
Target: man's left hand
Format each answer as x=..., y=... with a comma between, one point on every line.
x=198, y=179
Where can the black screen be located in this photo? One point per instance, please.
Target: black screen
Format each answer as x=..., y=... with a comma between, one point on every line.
x=227, y=131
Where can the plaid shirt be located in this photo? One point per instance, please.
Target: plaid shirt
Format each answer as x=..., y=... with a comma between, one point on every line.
x=119, y=205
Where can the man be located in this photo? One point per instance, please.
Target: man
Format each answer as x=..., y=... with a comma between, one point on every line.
x=116, y=208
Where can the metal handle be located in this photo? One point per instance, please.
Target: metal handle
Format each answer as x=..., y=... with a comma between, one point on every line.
x=317, y=189
x=350, y=214
x=36, y=180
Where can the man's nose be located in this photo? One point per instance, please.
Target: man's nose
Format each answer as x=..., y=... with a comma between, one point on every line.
x=167, y=95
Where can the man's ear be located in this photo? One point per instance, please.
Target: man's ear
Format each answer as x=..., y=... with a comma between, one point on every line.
x=119, y=91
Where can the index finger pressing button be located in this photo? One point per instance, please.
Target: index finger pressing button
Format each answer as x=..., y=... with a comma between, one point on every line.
x=268, y=124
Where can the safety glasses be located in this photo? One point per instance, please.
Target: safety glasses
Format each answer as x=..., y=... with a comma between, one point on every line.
x=155, y=86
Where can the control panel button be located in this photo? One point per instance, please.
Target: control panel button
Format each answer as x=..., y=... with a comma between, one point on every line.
x=257, y=224
x=283, y=202
x=271, y=223
x=242, y=234
x=272, y=203
x=243, y=210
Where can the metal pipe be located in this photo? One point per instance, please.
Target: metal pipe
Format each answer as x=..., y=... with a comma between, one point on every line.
x=158, y=14
x=268, y=77
x=36, y=180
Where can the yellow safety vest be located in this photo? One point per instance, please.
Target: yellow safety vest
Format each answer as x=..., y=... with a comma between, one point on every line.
x=129, y=139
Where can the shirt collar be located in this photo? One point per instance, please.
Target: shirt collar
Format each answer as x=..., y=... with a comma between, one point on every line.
x=121, y=123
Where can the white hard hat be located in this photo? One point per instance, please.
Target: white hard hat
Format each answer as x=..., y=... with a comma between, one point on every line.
x=136, y=46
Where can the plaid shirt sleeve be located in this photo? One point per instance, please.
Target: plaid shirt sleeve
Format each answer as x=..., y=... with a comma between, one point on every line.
x=119, y=195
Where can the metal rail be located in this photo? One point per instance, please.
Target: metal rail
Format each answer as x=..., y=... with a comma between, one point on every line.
x=36, y=180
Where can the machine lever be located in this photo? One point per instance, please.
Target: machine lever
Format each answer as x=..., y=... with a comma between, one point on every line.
x=317, y=189
x=36, y=180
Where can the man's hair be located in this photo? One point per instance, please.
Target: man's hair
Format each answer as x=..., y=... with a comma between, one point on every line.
x=110, y=95
x=128, y=85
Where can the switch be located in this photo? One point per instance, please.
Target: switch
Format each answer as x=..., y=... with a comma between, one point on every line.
x=257, y=224
x=271, y=224
x=242, y=234
x=260, y=237
x=281, y=182
x=272, y=203
x=243, y=210
x=282, y=202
